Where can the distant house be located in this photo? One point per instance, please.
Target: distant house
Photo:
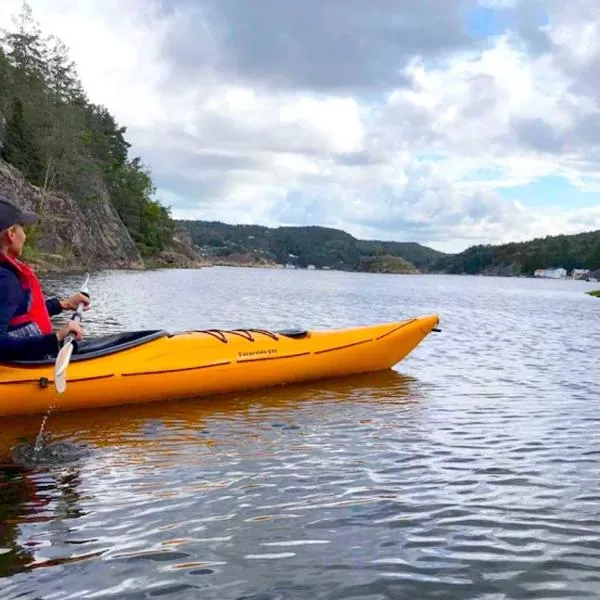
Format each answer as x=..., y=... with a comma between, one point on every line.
x=559, y=273
x=579, y=273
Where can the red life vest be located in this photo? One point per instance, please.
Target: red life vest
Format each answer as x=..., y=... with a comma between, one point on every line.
x=37, y=312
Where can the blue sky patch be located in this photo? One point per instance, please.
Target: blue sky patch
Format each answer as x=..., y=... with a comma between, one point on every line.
x=483, y=22
x=554, y=191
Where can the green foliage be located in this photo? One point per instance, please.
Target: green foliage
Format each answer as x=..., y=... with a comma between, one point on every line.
x=568, y=251
x=29, y=250
x=5, y=70
x=385, y=263
x=18, y=147
x=324, y=247
x=303, y=246
x=473, y=260
x=592, y=260
x=318, y=246
x=595, y=293
x=62, y=142
x=156, y=229
x=420, y=256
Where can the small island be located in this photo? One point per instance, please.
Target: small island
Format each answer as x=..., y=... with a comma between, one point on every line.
x=595, y=293
x=385, y=264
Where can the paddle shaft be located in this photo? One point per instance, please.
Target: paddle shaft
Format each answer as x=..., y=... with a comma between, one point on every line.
x=76, y=317
x=64, y=356
x=79, y=312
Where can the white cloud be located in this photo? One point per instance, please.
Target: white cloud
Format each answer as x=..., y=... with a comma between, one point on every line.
x=472, y=104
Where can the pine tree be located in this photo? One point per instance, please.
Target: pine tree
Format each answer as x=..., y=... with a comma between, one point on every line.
x=25, y=48
x=592, y=260
x=18, y=148
x=63, y=80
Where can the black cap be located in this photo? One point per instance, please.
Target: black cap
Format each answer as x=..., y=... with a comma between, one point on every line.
x=11, y=215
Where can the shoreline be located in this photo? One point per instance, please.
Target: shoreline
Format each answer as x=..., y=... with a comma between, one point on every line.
x=45, y=268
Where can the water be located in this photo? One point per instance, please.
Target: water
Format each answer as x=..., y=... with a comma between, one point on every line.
x=39, y=439
x=470, y=471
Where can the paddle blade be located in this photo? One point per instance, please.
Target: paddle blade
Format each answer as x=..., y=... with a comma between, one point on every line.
x=60, y=367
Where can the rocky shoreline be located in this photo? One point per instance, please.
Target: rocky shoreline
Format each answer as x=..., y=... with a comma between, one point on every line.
x=72, y=236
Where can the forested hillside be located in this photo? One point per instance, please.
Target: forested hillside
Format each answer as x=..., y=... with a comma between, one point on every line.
x=324, y=247
x=62, y=142
x=523, y=258
x=303, y=246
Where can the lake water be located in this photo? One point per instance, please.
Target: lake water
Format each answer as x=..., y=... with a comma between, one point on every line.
x=471, y=470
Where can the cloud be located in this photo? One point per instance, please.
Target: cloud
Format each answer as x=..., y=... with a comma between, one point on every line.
x=393, y=118
x=332, y=46
x=415, y=203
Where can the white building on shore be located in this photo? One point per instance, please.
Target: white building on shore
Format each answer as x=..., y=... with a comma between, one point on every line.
x=579, y=273
x=559, y=273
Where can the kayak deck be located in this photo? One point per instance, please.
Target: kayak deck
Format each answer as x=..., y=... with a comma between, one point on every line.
x=153, y=365
x=110, y=344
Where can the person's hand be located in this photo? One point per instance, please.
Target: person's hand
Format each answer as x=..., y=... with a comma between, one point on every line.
x=73, y=302
x=71, y=327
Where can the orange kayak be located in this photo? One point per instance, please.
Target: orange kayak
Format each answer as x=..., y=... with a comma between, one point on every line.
x=146, y=366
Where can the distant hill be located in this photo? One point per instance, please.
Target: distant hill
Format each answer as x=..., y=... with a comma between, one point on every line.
x=422, y=257
x=523, y=258
x=322, y=247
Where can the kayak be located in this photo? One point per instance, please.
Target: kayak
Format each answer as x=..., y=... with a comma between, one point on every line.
x=146, y=366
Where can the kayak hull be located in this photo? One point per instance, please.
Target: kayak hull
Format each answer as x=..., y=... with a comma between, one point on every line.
x=201, y=363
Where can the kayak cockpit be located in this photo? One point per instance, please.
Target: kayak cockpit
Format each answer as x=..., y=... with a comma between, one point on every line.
x=108, y=344
x=103, y=346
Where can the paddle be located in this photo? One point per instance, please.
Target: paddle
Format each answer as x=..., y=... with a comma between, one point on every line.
x=64, y=356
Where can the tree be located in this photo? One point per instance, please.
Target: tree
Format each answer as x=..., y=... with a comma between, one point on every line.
x=60, y=141
x=63, y=80
x=592, y=260
x=25, y=48
x=18, y=147
x=105, y=139
x=5, y=73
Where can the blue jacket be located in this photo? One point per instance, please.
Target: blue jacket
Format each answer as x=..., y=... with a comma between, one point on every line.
x=13, y=302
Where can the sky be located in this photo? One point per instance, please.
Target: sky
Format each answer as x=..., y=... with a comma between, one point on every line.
x=444, y=122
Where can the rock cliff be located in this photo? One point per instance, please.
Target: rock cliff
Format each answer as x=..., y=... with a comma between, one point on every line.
x=73, y=235
x=181, y=254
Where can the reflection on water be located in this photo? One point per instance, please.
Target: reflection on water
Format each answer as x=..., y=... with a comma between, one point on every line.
x=202, y=446
x=469, y=471
x=137, y=424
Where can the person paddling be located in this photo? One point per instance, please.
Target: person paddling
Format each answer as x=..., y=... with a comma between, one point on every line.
x=26, y=331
